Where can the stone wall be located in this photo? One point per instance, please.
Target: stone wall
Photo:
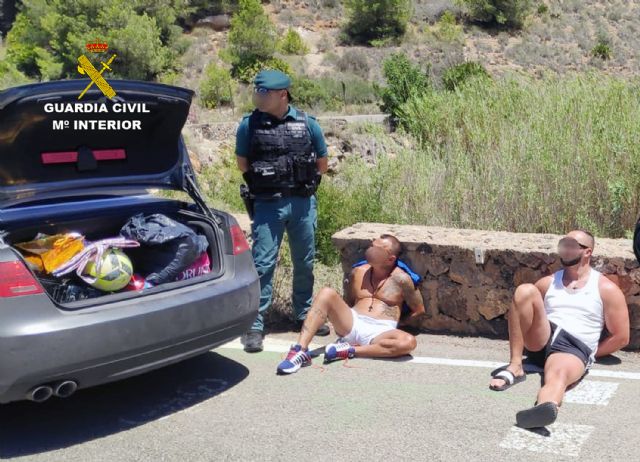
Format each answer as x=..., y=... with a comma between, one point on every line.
x=465, y=297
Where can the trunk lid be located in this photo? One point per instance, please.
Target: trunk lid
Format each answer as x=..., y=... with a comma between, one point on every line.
x=53, y=145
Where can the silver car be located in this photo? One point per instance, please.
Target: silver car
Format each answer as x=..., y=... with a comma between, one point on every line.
x=74, y=166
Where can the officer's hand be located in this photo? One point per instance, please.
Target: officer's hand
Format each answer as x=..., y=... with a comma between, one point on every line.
x=323, y=165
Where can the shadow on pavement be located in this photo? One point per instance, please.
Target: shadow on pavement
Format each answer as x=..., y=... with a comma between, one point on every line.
x=609, y=360
x=542, y=431
x=28, y=428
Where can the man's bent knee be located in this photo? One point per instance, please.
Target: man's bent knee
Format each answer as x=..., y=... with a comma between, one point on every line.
x=525, y=292
x=406, y=344
x=565, y=372
x=327, y=293
x=412, y=343
x=556, y=376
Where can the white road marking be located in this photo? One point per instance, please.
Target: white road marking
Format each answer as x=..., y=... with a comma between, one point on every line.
x=563, y=439
x=455, y=362
x=614, y=374
x=282, y=346
x=492, y=364
x=591, y=392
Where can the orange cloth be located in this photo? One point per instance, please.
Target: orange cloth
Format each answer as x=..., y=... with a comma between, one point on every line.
x=49, y=252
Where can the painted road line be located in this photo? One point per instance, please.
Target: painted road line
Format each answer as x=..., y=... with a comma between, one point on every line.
x=455, y=362
x=591, y=392
x=282, y=346
x=561, y=439
x=492, y=364
x=614, y=374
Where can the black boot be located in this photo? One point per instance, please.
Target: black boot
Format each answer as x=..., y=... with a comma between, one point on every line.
x=252, y=341
x=323, y=331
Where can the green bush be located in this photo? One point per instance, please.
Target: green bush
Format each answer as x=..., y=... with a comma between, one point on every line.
x=510, y=13
x=329, y=93
x=448, y=29
x=457, y=75
x=10, y=76
x=252, y=40
x=292, y=44
x=404, y=81
x=309, y=94
x=602, y=49
x=48, y=37
x=350, y=90
x=372, y=21
x=246, y=73
x=217, y=87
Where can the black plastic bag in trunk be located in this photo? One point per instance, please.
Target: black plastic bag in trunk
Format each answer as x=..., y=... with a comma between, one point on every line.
x=167, y=247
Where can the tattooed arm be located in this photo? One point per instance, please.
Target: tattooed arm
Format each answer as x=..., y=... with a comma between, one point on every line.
x=349, y=290
x=411, y=296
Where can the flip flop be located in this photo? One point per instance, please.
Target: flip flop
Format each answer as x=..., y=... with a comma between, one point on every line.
x=501, y=368
x=527, y=366
x=538, y=416
x=509, y=380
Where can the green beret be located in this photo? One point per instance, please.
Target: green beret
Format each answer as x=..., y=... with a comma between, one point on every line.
x=272, y=80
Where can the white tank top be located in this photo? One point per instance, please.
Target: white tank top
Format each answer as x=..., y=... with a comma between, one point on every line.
x=579, y=312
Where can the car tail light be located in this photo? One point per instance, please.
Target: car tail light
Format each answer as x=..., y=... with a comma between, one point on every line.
x=17, y=280
x=240, y=244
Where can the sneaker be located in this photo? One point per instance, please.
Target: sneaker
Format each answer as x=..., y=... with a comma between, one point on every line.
x=323, y=331
x=338, y=351
x=296, y=359
x=252, y=341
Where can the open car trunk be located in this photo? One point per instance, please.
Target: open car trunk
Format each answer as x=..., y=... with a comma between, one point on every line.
x=71, y=292
x=54, y=151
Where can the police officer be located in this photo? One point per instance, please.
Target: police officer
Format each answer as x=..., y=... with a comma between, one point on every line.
x=282, y=153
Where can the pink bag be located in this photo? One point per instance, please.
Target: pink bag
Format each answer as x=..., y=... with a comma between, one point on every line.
x=201, y=266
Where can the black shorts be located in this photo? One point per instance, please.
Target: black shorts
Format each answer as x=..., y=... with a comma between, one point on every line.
x=564, y=342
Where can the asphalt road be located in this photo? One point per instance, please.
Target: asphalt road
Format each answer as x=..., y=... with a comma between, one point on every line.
x=229, y=405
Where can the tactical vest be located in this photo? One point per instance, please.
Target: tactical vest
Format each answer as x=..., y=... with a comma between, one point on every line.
x=282, y=160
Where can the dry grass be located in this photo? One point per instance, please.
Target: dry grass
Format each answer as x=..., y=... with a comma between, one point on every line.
x=560, y=39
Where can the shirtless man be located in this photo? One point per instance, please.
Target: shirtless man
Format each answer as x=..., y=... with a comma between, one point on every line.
x=376, y=291
x=559, y=320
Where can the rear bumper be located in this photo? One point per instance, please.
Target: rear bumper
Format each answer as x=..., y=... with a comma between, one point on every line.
x=40, y=344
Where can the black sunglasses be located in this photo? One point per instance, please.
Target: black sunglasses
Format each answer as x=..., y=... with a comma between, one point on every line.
x=264, y=91
x=567, y=240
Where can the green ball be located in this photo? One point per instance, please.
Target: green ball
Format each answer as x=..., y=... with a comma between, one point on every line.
x=115, y=271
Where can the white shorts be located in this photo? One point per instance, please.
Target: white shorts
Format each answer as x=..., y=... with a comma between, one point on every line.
x=366, y=328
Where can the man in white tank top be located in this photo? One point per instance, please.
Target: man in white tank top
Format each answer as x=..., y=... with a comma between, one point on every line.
x=559, y=321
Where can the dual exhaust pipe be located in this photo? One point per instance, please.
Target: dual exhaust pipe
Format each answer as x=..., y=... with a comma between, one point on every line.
x=62, y=389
